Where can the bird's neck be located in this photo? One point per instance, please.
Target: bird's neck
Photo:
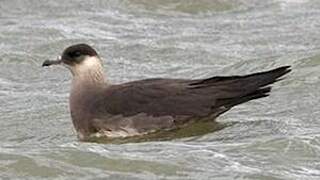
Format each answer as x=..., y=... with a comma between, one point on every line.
x=92, y=78
x=89, y=73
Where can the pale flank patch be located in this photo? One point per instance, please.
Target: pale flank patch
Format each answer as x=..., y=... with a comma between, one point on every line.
x=116, y=134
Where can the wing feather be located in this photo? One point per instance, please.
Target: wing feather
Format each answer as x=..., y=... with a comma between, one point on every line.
x=174, y=97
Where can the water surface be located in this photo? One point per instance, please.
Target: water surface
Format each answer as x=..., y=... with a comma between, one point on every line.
x=277, y=137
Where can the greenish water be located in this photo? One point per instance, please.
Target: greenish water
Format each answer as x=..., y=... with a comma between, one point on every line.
x=277, y=137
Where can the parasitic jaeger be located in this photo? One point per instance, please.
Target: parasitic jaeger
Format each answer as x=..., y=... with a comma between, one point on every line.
x=101, y=109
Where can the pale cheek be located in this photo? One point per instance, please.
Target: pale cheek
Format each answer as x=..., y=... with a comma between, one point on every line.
x=87, y=65
x=90, y=62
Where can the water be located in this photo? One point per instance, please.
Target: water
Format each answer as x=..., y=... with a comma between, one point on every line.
x=273, y=138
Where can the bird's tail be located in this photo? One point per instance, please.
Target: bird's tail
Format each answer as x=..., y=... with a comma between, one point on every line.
x=239, y=89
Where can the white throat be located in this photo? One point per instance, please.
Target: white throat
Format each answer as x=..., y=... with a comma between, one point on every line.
x=90, y=70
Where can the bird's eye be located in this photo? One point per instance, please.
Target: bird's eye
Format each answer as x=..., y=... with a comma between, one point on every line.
x=76, y=54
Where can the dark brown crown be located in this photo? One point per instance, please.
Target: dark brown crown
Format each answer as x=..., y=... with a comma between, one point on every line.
x=71, y=53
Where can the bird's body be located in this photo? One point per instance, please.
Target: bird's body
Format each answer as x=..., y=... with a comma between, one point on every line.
x=99, y=108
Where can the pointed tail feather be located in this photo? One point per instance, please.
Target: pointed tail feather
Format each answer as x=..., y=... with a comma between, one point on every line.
x=235, y=90
x=258, y=79
x=230, y=102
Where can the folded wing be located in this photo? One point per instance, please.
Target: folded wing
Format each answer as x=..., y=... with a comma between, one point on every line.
x=174, y=97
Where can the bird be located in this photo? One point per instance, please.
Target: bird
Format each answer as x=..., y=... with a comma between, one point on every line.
x=133, y=109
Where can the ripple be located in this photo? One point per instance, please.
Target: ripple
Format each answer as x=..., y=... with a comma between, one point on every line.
x=189, y=6
x=272, y=138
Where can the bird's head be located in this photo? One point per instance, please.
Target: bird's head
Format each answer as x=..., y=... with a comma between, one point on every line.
x=78, y=58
